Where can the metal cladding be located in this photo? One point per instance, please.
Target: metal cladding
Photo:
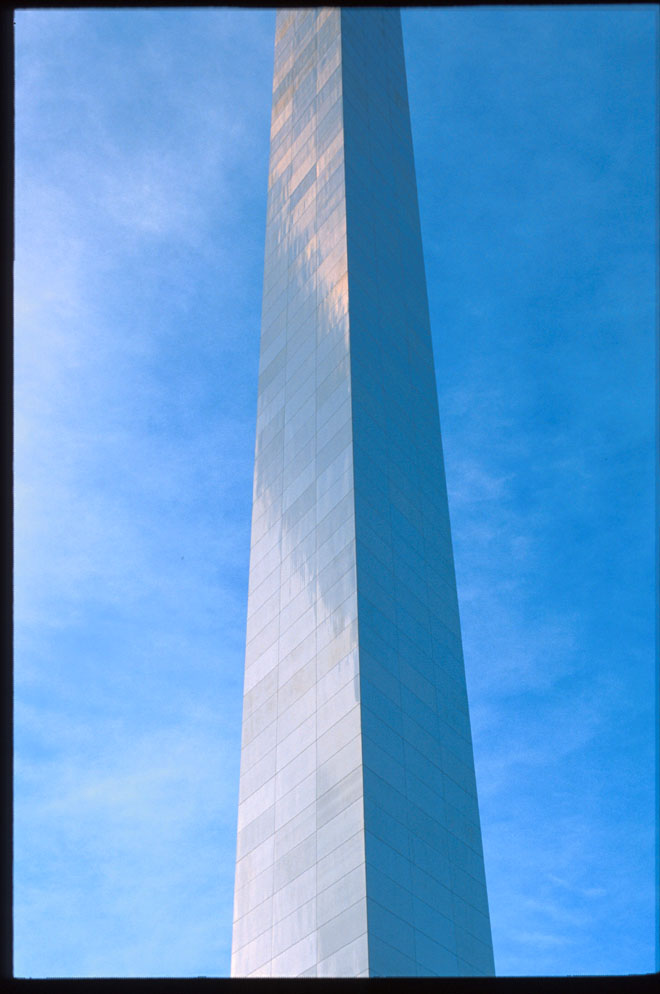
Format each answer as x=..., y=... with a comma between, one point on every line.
x=359, y=845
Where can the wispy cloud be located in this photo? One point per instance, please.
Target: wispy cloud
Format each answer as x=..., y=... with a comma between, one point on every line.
x=139, y=236
x=83, y=821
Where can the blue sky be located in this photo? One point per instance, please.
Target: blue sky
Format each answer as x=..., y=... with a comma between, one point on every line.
x=141, y=171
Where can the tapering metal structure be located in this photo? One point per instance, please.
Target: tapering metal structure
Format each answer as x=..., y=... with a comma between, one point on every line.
x=359, y=844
